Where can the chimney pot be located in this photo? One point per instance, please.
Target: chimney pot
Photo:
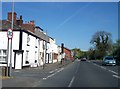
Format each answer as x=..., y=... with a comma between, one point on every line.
x=10, y=17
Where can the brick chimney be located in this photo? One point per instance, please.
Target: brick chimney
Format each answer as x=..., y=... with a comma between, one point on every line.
x=21, y=21
x=10, y=17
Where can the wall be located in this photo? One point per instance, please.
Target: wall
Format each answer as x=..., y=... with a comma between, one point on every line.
x=67, y=53
x=4, y=42
x=30, y=47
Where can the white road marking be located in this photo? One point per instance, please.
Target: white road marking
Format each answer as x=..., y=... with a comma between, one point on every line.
x=77, y=68
x=71, y=82
x=116, y=76
x=56, y=69
x=51, y=75
x=88, y=61
x=51, y=71
x=44, y=78
x=105, y=68
x=16, y=71
x=102, y=67
x=113, y=72
x=96, y=65
x=60, y=69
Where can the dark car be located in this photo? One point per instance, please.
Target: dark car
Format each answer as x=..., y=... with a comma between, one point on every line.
x=83, y=59
x=108, y=60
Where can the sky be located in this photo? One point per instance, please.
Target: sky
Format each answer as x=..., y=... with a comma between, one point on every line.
x=71, y=23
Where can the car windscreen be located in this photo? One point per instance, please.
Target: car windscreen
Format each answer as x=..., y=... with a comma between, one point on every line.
x=109, y=58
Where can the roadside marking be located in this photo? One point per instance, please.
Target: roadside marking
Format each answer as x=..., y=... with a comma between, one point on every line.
x=103, y=67
x=44, y=78
x=88, y=61
x=56, y=69
x=60, y=69
x=116, y=76
x=100, y=66
x=113, y=72
x=96, y=65
x=71, y=82
x=53, y=73
x=17, y=71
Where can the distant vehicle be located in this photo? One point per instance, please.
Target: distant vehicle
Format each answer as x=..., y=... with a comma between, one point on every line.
x=83, y=59
x=108, y=60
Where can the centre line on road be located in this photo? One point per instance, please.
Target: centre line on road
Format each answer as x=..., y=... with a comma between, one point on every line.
x=71, y=82
x=116, y=76
x=77, y=68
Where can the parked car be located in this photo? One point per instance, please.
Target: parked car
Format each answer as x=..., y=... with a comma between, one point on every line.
x=109, y=60
x=83, y=59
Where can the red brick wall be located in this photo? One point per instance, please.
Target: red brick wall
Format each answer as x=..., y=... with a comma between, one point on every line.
x=29, y=27
x=10, y=17
x=67, y=53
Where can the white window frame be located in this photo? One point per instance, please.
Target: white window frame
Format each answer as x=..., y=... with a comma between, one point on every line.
x=2, y=55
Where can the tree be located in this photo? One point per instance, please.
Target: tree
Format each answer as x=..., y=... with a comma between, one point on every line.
x=91, y=53
x=116, y=49
x=102, y=42
x=78, y=53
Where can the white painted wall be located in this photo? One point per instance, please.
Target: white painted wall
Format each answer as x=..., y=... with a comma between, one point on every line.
x=32, y=50
x=4, y=42
x=52, y=48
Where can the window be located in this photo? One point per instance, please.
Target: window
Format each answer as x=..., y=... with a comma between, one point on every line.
x=4, y=52
x=36, y=43
x=28, y=40
x=3, y=55
x=27, y=62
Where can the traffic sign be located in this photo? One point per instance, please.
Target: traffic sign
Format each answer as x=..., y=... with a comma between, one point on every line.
x=10, y=33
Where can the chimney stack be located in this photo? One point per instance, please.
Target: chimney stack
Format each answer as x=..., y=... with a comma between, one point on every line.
x=21, y=21
x=21, y=17
x=10, y=17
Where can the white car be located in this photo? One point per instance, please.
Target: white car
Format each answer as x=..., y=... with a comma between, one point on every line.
x=108, y=60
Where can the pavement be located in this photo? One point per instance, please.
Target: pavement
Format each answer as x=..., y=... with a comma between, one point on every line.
x=28, y=76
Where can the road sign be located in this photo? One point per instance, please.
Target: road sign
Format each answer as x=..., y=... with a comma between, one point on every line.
x=10, y=33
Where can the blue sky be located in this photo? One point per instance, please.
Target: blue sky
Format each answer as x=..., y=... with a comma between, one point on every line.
x=71, y=23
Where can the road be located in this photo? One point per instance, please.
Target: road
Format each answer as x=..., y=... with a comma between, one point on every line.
x=82, y=74
x=75, y=74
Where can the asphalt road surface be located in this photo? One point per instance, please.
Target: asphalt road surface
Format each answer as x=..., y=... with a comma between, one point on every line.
x=82, y=74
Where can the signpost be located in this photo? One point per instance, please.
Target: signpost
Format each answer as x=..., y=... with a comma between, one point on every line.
x=9, y=53
x=9, y=48
x=10, y=33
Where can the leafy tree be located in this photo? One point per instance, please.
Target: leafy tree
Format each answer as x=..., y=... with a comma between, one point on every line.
x=102, y=42
x=91, y=53
x=116, y=49
x=78, y=53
